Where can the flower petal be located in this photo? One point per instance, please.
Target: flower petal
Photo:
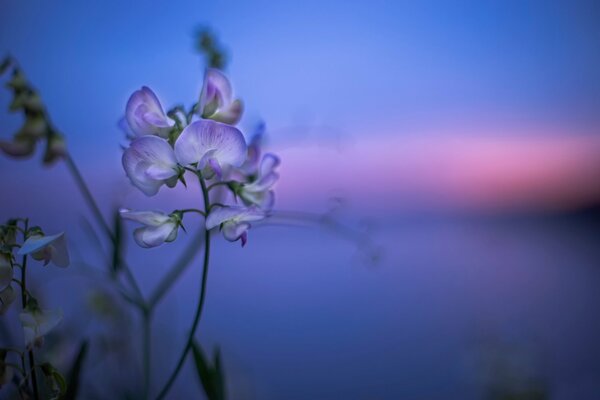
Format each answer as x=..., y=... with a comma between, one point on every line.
x=268, y=164
x=226, y=143
x=145, y=115
x=230, y=114
x=35, y=243
x=233, y=232
x=154, y=236
x=150, y=218
x=220, y=215
x=148, y=162
x=216, y=88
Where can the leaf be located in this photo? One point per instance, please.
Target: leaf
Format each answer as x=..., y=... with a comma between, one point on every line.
x=211, y=377
x=117, y=245
x=55, y=382
x=75, y=373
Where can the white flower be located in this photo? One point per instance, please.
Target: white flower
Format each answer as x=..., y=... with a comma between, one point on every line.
x=47, y=248
x=149, y=163
x=6, y=271
x=259, y=192
x=158, y=227
x=216, y=99
x=145, y=116
x=234, y=221
x=37, y=323
x=210, y=143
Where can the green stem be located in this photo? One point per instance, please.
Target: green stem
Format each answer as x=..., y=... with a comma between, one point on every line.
x=175, y=272
x=201, y=298
x=91, y=202
x=193, y=210
x=147, y=352
x=24, y=292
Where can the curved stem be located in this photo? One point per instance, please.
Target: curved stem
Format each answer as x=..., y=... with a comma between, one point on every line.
x=193, y=210
x=200, y=306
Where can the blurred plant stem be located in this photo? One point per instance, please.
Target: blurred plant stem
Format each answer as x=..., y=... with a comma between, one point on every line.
x=89, y=198
x=34, y=385
x=201, y=298
x=147, y=349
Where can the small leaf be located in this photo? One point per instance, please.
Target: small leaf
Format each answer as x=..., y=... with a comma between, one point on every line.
x=75, y=373
x=211, y=377
x=117, y=245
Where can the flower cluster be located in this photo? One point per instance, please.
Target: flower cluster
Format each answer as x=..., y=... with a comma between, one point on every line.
x=35, y=321
x=206, y=142
x=36, y=127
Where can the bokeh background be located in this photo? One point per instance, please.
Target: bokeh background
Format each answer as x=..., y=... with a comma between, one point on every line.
x=464, y=135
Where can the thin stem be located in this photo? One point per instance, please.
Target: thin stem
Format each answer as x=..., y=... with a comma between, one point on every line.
x=147, y=352
x=193, y=210
x=201, y=298
x=216, y=184
x=89, y=198
x=24, y=292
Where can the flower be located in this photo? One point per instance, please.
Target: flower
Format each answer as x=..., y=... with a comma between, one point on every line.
x=24, y=141
x=37, y=322
x=6, y=271
x=258, y=191
x=216, y=99
x=158, y=227
x=47, y=248
x=210, y=143
x=7, y=296
x=149, y=163
x=234, y=221
x=145, y=115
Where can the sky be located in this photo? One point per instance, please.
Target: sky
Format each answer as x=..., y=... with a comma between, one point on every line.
x=493, y=78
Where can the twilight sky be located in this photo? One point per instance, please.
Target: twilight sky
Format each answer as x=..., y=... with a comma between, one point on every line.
x=411, y=96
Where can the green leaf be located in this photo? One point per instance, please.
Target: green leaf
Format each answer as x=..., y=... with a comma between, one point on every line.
x=75, y=373
x=211, y=377
x=55, y=382
x=117, y=243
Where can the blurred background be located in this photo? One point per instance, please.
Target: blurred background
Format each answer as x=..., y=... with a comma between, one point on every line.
x=465, y=136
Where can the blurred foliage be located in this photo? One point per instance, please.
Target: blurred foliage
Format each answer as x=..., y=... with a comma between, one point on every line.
x=211, y=376
x=208, y=46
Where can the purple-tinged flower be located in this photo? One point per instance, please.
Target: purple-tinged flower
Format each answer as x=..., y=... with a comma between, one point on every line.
x=158, y=227
x=47, y=248
x=37, y=323
x=6, y=271
x=7, y=297
x=234, y=221
x=24, y=141
x=259, y=192
x=149, y=163
x=145, y=115
x=216, y=99
x=19, y=147
x=210, y=143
